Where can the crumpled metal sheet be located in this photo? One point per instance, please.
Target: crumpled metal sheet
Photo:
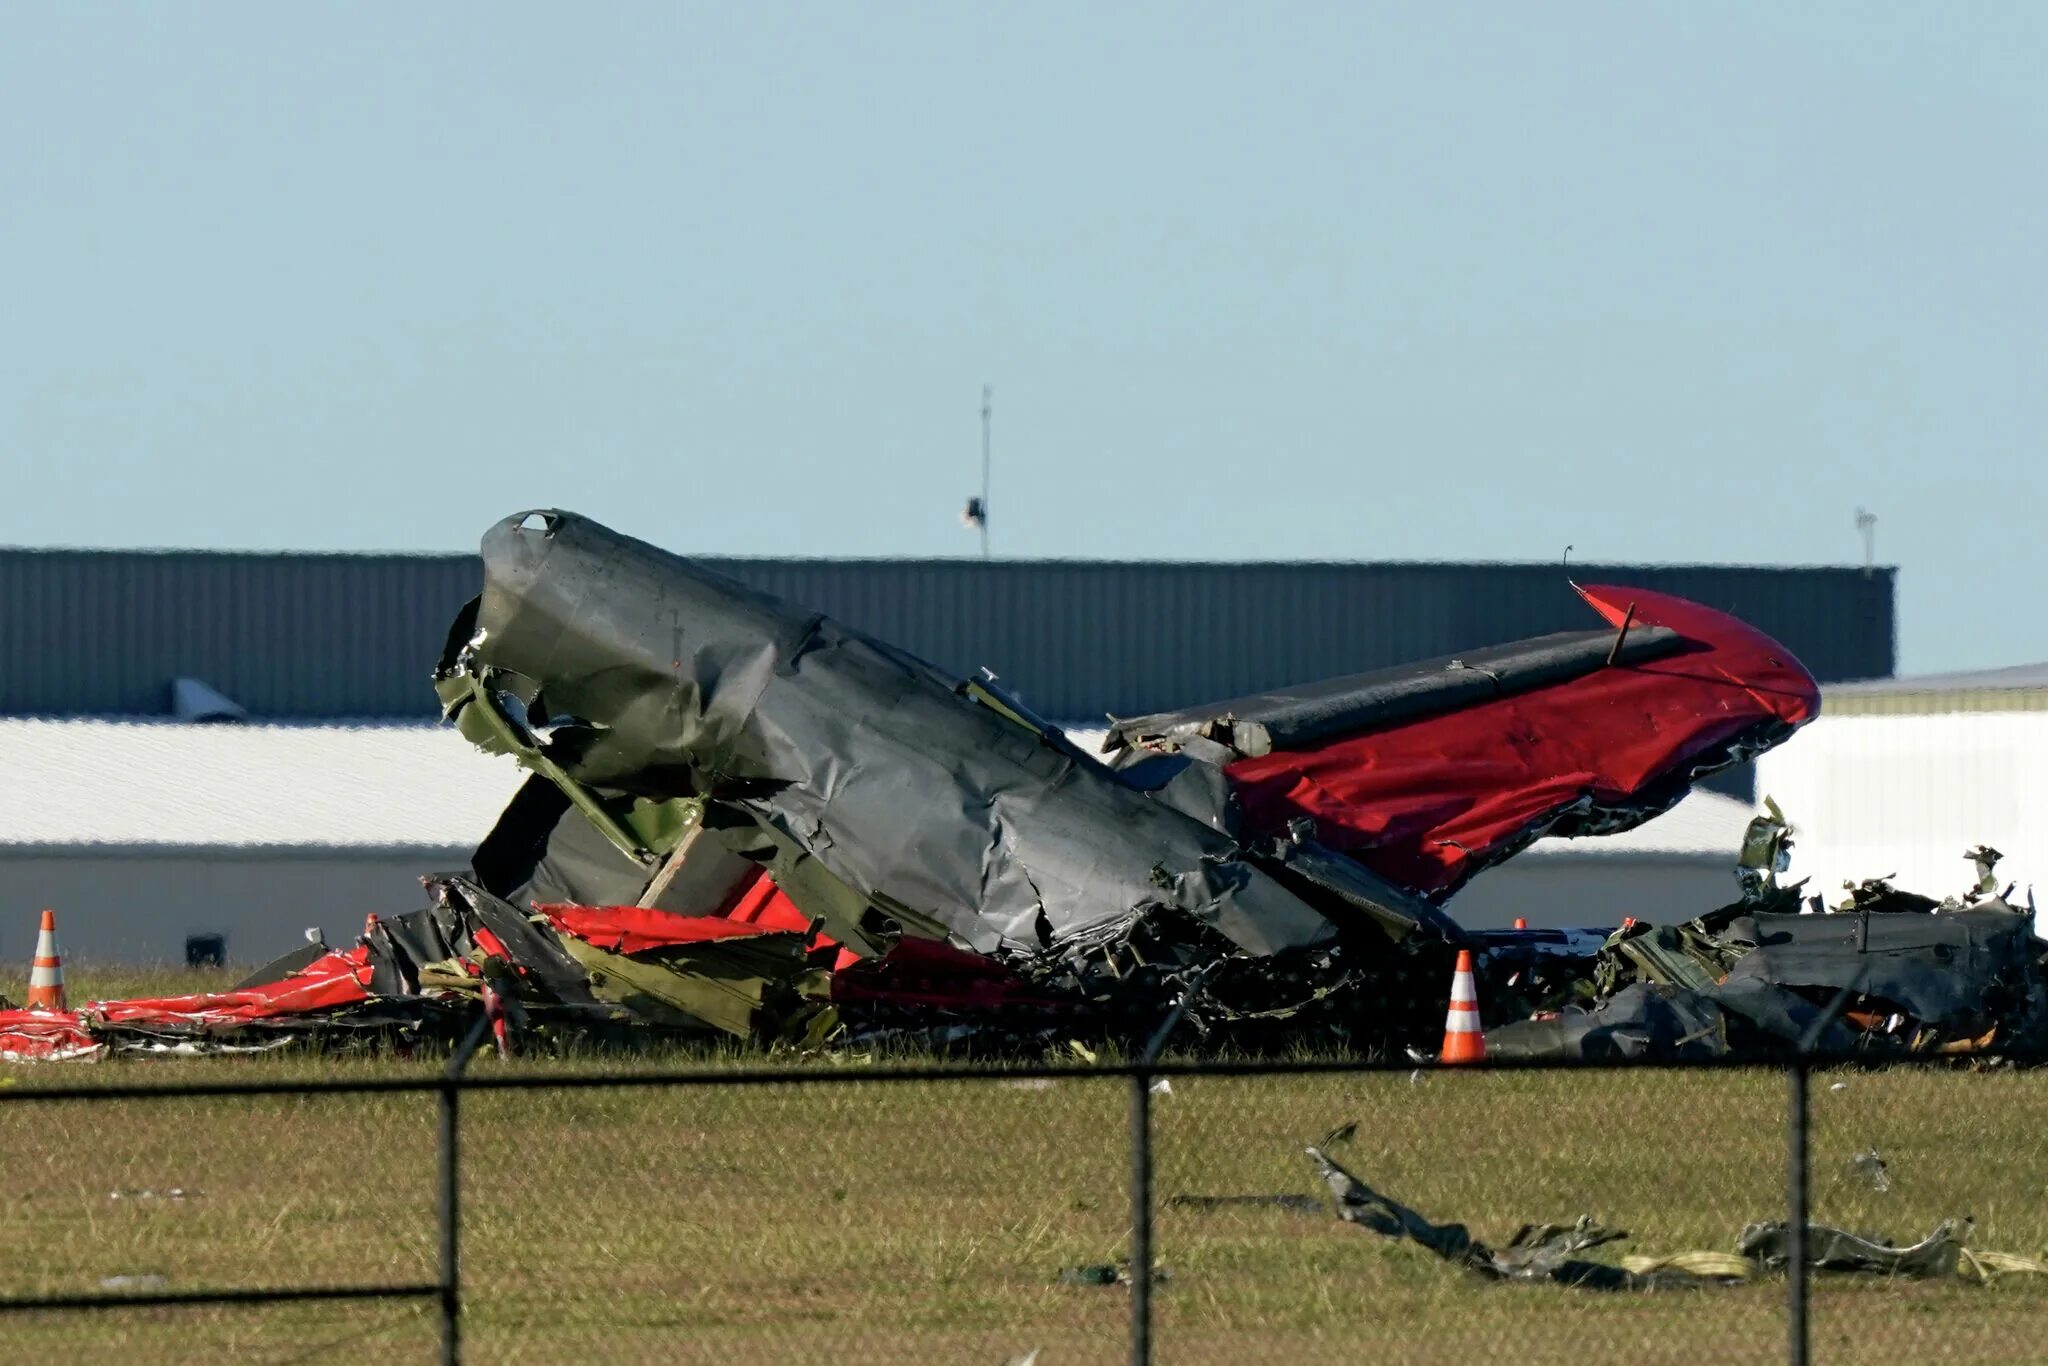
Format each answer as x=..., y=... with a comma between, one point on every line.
x=446, y=945
x=1958, y=976
x=1835, y=1249
x=1661, y=1020
x=1640, y=1021
x=333, y=980
x=1956, y=971
x=634, y=672
x=46, y=1036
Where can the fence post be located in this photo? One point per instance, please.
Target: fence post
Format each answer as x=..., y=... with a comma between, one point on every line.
x=1797, y=1073
x=1796, y=1211
x=451, y=1223
x=1141, y=1216
x=1141, y=1167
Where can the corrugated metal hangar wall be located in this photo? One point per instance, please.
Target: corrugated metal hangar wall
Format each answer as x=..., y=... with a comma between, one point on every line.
x=290, y=636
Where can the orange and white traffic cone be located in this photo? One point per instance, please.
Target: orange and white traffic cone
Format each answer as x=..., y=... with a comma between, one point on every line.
x=46, y=974
x=1463, y=1040
x=1520, y=923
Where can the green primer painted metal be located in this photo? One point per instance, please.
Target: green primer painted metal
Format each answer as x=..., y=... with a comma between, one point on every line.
x=733, y=985
x=466, y=700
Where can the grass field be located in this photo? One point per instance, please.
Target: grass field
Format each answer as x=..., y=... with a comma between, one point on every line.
x=874, y=1222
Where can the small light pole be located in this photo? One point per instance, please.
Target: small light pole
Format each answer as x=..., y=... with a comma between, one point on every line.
x=1866, y=524
x=976, y=513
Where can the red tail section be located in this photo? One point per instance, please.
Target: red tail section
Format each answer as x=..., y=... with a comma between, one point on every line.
x=1429, y=802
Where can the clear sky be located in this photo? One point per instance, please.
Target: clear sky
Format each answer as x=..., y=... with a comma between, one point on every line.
x=1677, y=282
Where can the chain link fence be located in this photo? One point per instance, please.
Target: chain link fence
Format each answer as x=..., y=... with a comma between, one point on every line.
x=871, y=1212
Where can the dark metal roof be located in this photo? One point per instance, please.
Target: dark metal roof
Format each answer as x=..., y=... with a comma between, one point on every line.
x=89, y=632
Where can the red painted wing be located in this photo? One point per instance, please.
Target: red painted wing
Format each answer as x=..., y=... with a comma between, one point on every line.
x=1427, y=803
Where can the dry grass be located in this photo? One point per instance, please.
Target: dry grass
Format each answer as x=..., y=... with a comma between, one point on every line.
x=872, y=1222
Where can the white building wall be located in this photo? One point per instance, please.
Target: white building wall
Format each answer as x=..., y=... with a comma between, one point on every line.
x=136, y=907
x=1907, y=794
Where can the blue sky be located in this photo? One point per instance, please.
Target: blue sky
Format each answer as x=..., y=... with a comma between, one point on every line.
x=1670, y=282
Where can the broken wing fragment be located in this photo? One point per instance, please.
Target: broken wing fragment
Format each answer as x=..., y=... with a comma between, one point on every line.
x=1537, y=1252
x=1834, y=1249
x=1430, y=774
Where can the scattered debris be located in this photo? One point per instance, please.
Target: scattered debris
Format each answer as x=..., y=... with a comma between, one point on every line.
x=1834, y=1249
x=1870, y=1168
x=1957, y=977
x=1537, y=1252
x=143, y=1282
x=1549, y=1252
x=1985, y=1267
x=1108, y=1273
x=1343, y=1133
x=1716, y=1266
x=174, y=1193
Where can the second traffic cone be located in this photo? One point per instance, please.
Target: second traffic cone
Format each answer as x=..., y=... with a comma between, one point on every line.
x=46, y=973
x=1463, y=1041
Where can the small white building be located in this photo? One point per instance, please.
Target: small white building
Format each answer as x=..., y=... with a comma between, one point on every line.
x=144, y=834
x=1900, y=777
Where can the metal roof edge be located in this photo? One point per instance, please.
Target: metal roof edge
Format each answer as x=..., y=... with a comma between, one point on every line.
x=451, y=854
x=110, y=552
x=426, y=720
x=1578, y=569
x=1933, y=702
x=1565, y=853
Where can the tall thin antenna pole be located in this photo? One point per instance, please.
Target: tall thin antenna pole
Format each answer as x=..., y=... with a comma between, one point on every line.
x=985, y=413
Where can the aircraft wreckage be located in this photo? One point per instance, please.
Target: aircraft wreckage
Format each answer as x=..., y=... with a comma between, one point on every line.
x=744, y=818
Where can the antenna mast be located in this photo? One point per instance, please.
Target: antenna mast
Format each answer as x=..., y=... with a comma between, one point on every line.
x=986, y=410
x=975, y=514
